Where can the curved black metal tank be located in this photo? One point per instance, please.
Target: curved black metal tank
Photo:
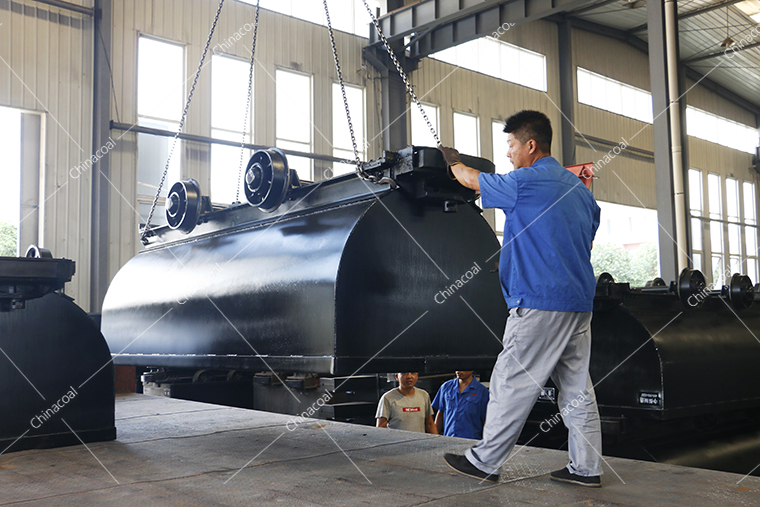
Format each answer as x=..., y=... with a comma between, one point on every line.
x=345, y=276
x=655, y=356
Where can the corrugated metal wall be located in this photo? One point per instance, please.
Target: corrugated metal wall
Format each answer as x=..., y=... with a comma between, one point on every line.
x=283, y=42
x=46, y=68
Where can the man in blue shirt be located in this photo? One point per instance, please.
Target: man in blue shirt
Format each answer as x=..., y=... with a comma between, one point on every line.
x=549, y=286
x=461, y=404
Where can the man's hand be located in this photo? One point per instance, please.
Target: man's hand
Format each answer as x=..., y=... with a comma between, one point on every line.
x=450, y=155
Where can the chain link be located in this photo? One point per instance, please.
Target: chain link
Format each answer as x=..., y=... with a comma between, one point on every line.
x=247, y=102
x=357, y=161
x=181, y=123
x=401, y=72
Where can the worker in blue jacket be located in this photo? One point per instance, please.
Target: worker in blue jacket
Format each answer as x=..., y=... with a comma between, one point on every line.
x=549, y=286
x=461, y=404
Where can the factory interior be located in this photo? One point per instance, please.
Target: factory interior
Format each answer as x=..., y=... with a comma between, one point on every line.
x=226, y=226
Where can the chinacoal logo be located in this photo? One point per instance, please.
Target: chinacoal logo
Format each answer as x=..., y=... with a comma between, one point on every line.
x=566, y=410
x=458, y=284
x=293, y=422
x=57, y=407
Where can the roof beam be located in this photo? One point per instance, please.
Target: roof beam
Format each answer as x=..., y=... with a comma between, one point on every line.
x=87, y=11
x=485, y=21
x=693, y=13
x=735, y=49
x=426, y=14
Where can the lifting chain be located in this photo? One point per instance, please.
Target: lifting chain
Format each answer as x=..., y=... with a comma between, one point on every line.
x=181, y=124
x=401, y=72
x=247, y=102
x=373, y=178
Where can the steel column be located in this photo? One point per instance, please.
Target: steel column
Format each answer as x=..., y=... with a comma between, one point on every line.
x=102, y=168
x=566, y=92
x=661, y=134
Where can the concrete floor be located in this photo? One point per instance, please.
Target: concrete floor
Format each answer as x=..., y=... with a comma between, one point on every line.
x=173, y=452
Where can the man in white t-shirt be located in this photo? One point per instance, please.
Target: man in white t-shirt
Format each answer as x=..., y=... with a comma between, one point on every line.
x=406, y=408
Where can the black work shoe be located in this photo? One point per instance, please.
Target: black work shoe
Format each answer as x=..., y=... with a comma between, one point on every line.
x=462, y=465
x=566, y=475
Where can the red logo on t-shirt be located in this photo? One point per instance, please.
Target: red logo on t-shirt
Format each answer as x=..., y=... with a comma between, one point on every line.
x=411, y=409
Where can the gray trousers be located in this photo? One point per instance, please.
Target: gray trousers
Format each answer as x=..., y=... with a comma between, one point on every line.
x=539, y=344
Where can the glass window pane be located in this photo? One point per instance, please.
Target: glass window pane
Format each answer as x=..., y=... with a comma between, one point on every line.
x=282, y=6
x=533, y=70
x=362, y=20
x=750, y=269
x=467, y=55
x=696, y=234
x=498, y=59
x=716, y=237
x=629, y=102
x=734, y=239
x=732, y=199
x=510, y=63
x=735, y=265
x=614, y=96
x=749, y=203
x=697, y=262
x=338, y=168
x=720, y=130
x=714, y=197
x=500, y=147
x=341, y=14
x=310, y=10
x=10, y=172
x=489, y=55
x=421, y=135
x=584, y=86
x=293, y=107
x=466, y=134
x=160, y=80
x=226, y=162
x=717, y=270
x=695, y=192
x=159, y=216
x=341, y=135
x=599, y=92
x=626, y=244
x=229, y=92
x=750, y=238
x=152, y=154
x=644, y=106
x=302, y=165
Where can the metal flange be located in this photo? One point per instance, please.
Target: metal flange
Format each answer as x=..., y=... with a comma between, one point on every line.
x=690, y=283
x=267, y=179
x=740, y=291
x=183, y=205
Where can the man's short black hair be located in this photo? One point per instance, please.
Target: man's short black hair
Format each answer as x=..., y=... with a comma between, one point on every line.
x=526, y=125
